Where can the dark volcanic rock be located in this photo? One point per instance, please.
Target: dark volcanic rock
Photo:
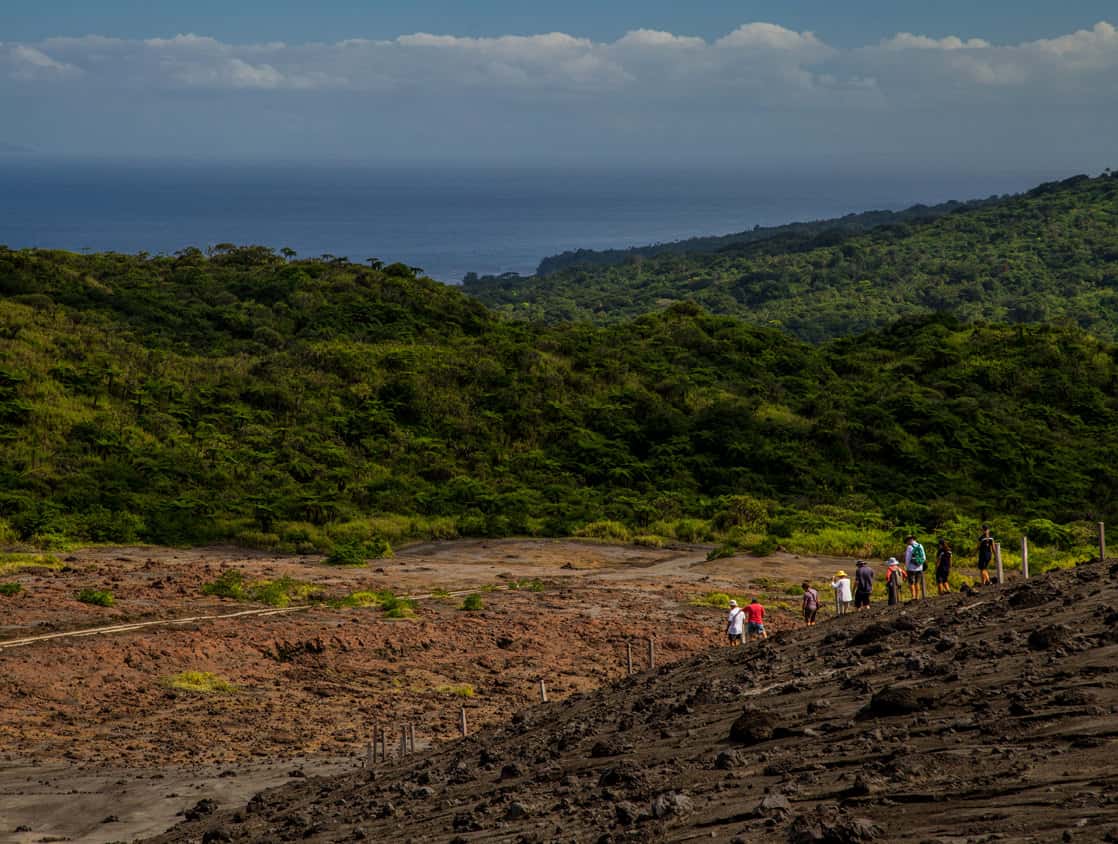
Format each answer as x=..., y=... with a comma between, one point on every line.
x=831, y=825
x=895, y=700
x=753, y=726
x=1048, y=637
x=201, y=809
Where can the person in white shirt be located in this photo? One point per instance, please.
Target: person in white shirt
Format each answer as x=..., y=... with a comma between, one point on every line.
x=735, y=624
x=841, y=584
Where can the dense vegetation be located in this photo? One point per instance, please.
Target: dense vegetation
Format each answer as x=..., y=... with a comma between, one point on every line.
x=788, y=234
x=1048, y=255
x=316, y=404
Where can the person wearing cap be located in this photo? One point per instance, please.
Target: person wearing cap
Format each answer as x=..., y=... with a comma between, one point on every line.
x=894, y=577
x=756, y=615
x=735, y=624
x=841, y=584
x=863, y=585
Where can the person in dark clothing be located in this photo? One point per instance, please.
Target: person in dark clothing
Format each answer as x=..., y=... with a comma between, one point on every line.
x=985, y=555
x=943, y=567
x=863, y=585
x=894, y=580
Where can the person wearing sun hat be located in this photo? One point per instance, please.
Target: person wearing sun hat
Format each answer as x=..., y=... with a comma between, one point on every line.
x=841, y=584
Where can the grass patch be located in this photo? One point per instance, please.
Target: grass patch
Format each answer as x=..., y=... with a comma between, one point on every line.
x=358, y=600
x=9, y=589
x=528, y=585
x=473, y=603
x=718, y=600
x=275, y=593
x=464, y=690
x=11, y=563
x=97, y=597
x=443, y=594
x=200, y=682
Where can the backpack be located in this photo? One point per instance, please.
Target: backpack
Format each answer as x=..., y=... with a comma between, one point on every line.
x=918, y=557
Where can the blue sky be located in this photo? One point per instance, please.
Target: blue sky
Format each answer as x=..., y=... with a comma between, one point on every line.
x=845, y=23
x=946, y=85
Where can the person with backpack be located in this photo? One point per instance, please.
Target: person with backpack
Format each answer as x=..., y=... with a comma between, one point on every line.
x=943, y=567
x=735, y=624
x=811, y=604
x=985, y=555
x=914, y=559
x=894, y=577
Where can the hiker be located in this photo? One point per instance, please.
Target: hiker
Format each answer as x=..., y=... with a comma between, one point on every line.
x=863, y=585
x=811, y=604
x=735, y=624
x=985, y=555
x=756, y=614
x=943, y=567
x=841, y=584
x=894, y=576
x=914, y=559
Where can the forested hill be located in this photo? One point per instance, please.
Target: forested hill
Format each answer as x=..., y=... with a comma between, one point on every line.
x=297, y=404
x=833, y=228
x=1048, y=255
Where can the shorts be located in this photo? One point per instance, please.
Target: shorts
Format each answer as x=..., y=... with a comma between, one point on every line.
x=942, y=575
x=861, y=599
x=983, y=564
x=754, y=627
x=735, y=637
x=809, y=615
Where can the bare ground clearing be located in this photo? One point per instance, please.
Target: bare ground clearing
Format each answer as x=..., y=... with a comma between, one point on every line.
x=92, y=714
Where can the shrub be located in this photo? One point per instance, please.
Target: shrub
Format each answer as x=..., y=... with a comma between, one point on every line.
x=98, y=597
x=229, y=584
x=765, y=547
x=350, y=552
x=531, y=585
x=360, y=599
x=649, y=540
x=473, y=603
x=691, y=530
x=719, y=600
x=604, y=530
x=354, y=552
x=726, y=549
x=202, y=682
x=9, y=589
x=10, y=563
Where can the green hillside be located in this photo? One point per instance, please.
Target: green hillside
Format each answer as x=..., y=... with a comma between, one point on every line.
x=299, y=404
x=805, y=232
x=1048, y=255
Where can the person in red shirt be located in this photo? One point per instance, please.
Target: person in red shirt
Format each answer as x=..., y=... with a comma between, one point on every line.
x=755, y=613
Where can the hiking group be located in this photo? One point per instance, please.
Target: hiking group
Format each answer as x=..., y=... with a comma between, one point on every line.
x=744, y=623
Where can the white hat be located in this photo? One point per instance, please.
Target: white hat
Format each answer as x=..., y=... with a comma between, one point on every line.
x=733, y=603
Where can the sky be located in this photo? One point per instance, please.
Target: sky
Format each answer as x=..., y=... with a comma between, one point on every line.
x=1030, y=85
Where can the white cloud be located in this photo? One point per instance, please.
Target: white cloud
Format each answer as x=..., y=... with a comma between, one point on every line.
x=758, y=63
x=30, y=63
x=908, y=41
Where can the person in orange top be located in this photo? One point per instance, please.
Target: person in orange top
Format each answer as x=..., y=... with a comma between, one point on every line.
x=755, y=614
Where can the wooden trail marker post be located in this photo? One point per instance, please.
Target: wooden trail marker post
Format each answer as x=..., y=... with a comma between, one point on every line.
x=384, y=744
x=462, y=721
x=651, y=654
x=1102, y=541
x=543, y=692
x=411, y=738
x=403, y=740
x=998, y=562
x=629, y=655
x=1025, y=557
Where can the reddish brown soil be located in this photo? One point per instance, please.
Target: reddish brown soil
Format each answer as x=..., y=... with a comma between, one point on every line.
x=96, y=709
x=972, y=718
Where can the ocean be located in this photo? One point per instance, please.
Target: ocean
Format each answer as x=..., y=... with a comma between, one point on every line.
x=449, y=220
